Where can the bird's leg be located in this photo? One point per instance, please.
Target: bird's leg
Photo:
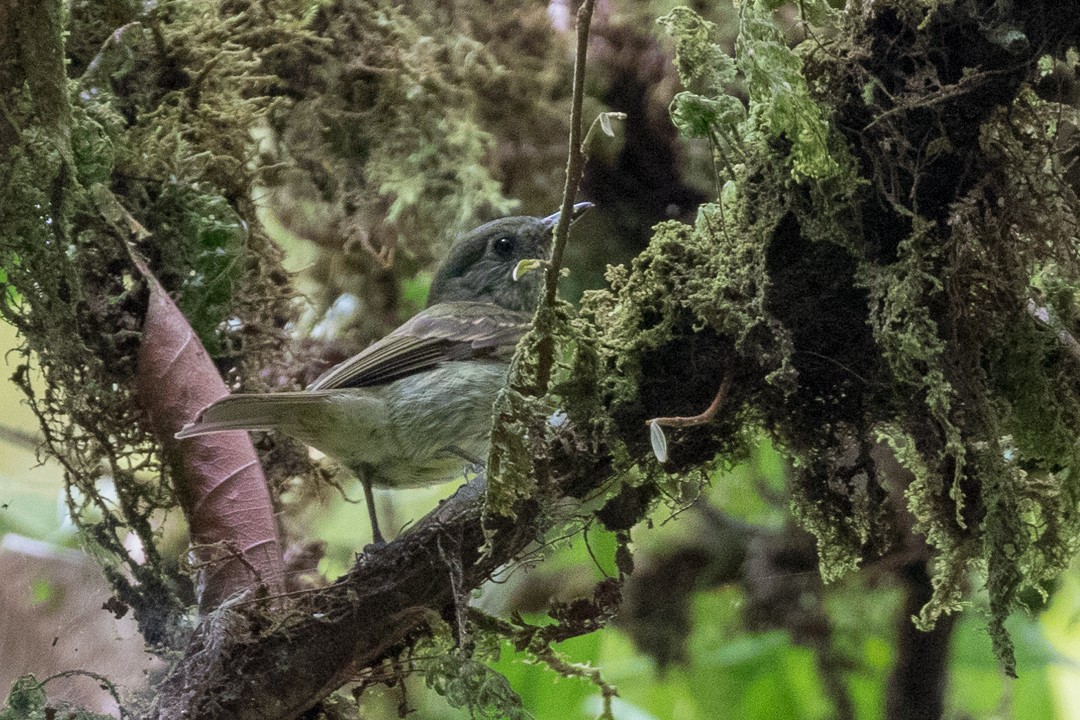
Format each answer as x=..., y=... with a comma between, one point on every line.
x=475, y=464
x=377, y=538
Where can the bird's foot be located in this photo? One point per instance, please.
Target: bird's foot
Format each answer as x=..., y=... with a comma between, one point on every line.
x=374, y=546
x=475, y=465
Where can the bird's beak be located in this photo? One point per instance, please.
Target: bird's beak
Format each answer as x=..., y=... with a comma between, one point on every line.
x=578, y=210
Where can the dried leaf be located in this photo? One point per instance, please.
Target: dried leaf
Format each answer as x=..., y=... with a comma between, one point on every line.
x=659, y=441
x=605, y=121
x=219, y=480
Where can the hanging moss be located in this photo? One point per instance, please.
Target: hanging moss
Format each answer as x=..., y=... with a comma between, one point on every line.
x=149, y=146
x=892, y=224
x=408, y=100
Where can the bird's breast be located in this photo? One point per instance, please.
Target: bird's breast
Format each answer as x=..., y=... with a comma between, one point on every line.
x=438, y=418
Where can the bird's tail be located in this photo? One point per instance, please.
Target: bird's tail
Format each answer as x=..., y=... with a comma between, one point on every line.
x=266, y=411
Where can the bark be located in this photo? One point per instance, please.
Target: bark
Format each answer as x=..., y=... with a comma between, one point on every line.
x=917, y=683
x=241, y=663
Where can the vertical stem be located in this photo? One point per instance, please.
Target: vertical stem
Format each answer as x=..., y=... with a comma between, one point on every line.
x=575, y=163
x=39, y=34
x=575, y=166
x=920, y=675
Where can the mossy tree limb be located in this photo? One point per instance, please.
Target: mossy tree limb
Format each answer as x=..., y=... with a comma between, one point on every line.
x=71, y=290
x=868, y=263
x=822, y=280
x=239, y=666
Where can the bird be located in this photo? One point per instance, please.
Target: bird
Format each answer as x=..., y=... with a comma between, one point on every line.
x=415, y=407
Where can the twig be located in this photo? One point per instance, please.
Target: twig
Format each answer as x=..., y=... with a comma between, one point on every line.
x=549, y=656
x=701, y=419
x=103, y=682
x=556, y=662
x=656, y=425
x=1042, y=314
x=941, y=94
x=575, y=166
x=21, y=438
x=575, y=163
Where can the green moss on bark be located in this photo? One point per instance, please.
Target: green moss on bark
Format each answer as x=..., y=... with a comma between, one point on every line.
x=892, y=259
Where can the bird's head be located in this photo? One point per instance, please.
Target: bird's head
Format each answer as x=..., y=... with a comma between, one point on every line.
x=480, y=266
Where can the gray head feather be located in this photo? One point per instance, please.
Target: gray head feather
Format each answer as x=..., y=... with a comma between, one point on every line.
x=480, y=265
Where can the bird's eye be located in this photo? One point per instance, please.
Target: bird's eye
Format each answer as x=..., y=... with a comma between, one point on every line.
x=503, y=246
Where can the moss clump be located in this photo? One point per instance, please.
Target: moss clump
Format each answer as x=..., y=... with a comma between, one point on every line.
x=29, y=701
x=408, y=100
x=875, y=269
x=150, y=145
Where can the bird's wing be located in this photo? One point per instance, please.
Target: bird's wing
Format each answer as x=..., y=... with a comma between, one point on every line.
x=441, y=333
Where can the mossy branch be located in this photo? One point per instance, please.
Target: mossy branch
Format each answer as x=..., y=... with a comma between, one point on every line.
x=238, y=666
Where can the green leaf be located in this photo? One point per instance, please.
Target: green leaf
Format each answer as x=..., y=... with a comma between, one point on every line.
x=697, y=56
x=700, y=116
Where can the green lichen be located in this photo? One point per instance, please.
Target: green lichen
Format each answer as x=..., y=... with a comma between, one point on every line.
x=467, y=683
x=517, y=464
x=780, y=101
x=28, y=701
x=463, y=679
x=146, y=151
x=862, y=309
x=780, y=104
x=512, y=467
x=698, y=57
x=722, y=293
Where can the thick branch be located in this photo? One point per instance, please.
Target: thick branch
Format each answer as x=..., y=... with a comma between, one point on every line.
x=239, y=665
x=917, y=683
x=39, y=31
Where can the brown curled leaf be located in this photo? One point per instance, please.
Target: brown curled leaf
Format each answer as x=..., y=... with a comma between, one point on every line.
x=219, y=481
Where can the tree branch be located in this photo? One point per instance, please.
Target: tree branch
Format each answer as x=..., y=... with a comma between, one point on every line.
x=575, y=163
x=917, y=682
x=243, y=662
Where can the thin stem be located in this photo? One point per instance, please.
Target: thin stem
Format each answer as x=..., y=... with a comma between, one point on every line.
x=19, y=438
x=709, y=414
x=1042, y=314
x=575, y=163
